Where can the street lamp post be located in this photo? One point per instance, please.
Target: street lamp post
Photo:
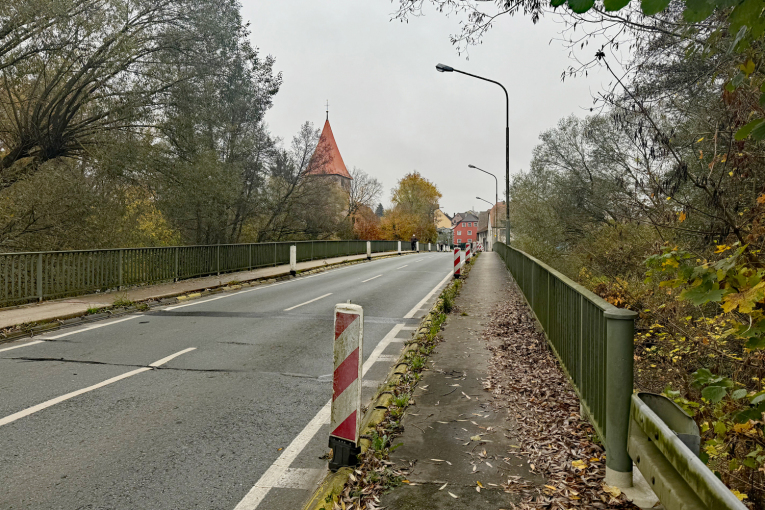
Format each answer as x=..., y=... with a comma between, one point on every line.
x=496, y=183
x=496, y=198
x=491, y=246
x=442, y=68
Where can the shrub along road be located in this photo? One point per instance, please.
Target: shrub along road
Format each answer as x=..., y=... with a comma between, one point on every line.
x=213, y=403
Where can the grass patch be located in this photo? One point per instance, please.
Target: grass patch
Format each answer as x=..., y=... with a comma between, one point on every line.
x=417, y=363
x=122, y=302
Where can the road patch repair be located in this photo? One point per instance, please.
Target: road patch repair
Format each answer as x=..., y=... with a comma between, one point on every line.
x=488, y=421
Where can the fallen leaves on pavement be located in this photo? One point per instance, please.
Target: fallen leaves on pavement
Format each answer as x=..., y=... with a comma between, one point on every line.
x=543, y=415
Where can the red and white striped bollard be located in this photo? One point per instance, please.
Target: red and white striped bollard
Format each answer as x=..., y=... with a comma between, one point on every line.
x=457, y=262
x=346, y=386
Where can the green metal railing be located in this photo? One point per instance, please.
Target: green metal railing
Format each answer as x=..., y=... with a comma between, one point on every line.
x=593, y=341
x=34, y=276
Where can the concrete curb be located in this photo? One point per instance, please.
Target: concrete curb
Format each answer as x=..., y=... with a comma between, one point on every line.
x=56, y=322
x=333, y=484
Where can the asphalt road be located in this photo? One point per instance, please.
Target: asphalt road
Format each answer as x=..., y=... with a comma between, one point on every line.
x=231, y=415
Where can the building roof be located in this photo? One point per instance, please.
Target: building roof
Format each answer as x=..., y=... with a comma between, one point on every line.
x=468, y=216
x=335, y=164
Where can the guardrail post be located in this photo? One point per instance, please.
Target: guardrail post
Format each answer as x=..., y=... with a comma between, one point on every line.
x=369, y=250
x=293, y=259
x=39, y=277
x=119, y=270
x=177, y=249
x=217, y=258
x=580, y=368
x=399, y=247
x=249, y=256
x=620, y=330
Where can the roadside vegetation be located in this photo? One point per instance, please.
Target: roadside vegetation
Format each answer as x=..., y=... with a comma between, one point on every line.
x=656, y=200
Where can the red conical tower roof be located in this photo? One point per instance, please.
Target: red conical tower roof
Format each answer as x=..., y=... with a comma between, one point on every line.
x=335, y=165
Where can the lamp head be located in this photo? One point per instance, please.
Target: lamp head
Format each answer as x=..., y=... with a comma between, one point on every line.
x=442, y=68
x=471, y=166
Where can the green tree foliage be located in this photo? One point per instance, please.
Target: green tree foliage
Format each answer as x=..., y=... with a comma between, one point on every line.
x=143, y=123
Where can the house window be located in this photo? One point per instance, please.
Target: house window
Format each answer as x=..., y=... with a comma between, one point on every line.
x=459, y=232
x=463, y=223
x=470, y=232
x=459, y=241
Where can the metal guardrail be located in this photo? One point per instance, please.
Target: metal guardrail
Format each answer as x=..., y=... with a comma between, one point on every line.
x=35, y=276
x=662, y=440
x=593, y=341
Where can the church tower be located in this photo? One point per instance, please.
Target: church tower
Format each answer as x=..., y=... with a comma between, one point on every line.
x=326, y=159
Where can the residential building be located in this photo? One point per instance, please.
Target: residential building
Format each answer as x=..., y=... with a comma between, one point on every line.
x=484, y=236
x=497, y=221
x=466, y=229
x=442, y=219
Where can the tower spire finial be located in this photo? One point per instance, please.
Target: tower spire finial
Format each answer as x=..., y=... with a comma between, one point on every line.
x=327, y=109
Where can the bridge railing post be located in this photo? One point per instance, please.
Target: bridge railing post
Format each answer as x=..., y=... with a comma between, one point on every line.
x=620, y=331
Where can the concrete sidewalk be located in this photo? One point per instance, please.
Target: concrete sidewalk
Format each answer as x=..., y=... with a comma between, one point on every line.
x=454, y=441
x=70, y=307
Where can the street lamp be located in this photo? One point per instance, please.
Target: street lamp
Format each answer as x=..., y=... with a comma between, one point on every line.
x=489, y=238
x=442, y=68
x=496, y=182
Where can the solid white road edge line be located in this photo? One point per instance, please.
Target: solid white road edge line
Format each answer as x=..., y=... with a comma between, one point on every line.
x=62, y=398
x=311, y=301
x=278, y=469
x=280, y=466
x=370, y=279
x=92, y=327
x=425, y=299
x=22, y=345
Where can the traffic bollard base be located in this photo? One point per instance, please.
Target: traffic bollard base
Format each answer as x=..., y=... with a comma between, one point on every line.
x=344, y=454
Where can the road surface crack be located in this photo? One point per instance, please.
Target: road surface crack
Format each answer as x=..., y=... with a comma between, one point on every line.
x=127, y=365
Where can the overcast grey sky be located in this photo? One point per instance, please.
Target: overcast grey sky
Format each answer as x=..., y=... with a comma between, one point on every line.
x=392, y=112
